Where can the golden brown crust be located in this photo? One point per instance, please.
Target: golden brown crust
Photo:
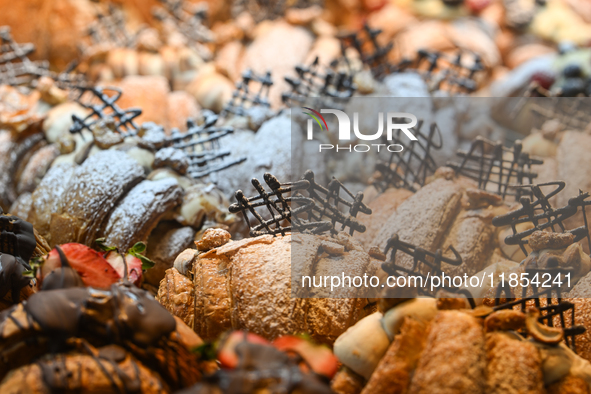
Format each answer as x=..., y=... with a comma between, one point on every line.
x=393, y=373
x=514, y=366
x=212, y=238
x=454, y=359
x=423, y=218
x=82, y=373
x=582, y=317
x=505, y=319
x=212, y=297
x=247, y=284
x=176, y=293
x=383, y=206
x=569, y=385
x=347, y=382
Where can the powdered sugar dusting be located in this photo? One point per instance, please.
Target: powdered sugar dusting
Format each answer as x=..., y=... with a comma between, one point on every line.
x=95, y=188
x=47, y=196
x=138, y=212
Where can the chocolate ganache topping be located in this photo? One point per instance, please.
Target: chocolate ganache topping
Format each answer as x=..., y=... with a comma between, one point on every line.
x=122, y=313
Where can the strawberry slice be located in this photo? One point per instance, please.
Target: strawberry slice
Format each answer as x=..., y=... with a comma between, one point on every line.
x=134, y=266
x=475, y=6
x=318, y=357
x=227, y=352
x=92, y=267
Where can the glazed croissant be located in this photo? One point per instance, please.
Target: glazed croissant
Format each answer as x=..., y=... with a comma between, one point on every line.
x=247, y=284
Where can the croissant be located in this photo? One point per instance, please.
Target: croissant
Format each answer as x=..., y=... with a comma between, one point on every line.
x=247, y=284
x=78, y=188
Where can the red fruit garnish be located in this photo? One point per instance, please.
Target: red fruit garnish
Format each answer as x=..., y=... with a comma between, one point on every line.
x=475, y=6
x=544, y=79
x=92, y=267
x=134, y=268
x=318, y=357
x=227, y=353
x=134, y=265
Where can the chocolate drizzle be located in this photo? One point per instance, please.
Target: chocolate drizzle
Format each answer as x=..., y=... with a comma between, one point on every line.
x=64, y=277
x=189, y=20
x=77, y=319
x=425, y=263
x=500, y=170
x=102, y=102
x=16, y=69
x=555, y=306
x=452, y=73
x=123, y=313
x=542, y=215
x=303, y=206
x=17, y=245
x=371, y=52
x=280, y=208
x=410, y=168
x=322, y=88
x=264, y=368
x=329, y=204
x=246, y=95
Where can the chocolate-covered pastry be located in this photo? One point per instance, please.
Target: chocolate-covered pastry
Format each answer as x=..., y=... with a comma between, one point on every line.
x=123, y=327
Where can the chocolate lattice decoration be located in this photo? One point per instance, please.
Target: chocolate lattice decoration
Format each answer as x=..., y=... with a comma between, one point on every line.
x=278, y=203
x=189, y=20
x=317, y=211
x=16, y=69
x=371, y=52
x=109, y=27
x=410, y=168
x=542, y=215
x=555, y=306
x=313, y=83
x=104, y=106
x=201, y=143
x=572, y=113
x=487, y=163
x=452, y=73
x=425, y=263
x=247, y=95
x=329, y=205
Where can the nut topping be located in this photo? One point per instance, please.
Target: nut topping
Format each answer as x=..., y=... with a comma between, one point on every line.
x=540, y=332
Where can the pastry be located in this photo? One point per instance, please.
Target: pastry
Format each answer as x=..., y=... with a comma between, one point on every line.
x=93, y=190
x=247, y=284
x=458, y=351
